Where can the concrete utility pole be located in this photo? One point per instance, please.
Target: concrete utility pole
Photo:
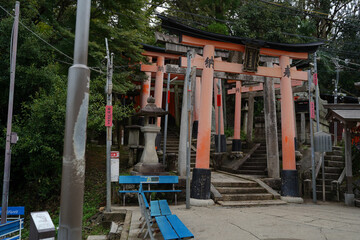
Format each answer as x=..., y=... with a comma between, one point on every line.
x=312, y=139
x=9, y=134
x=184, y=122
x=109, y=127
x=73, y=170
x=191, y=80
x=335, y=96
x=316, y=81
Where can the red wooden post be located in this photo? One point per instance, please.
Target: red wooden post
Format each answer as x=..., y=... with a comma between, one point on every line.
x=289, y=186
x=200, y=186
x=146, y=87
x=236, y=146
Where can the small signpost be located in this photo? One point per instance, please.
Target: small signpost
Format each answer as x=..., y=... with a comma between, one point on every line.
x=115, y=166
x=108, y=115
x=41, y=226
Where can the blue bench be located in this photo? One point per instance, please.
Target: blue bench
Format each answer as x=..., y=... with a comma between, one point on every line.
x=149, y=180
x=11, y=230
x=169, y=224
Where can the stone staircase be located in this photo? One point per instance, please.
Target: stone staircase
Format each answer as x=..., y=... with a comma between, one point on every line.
x=243, y=192
x=256, y=164
x=334, y=165
x=172, y=145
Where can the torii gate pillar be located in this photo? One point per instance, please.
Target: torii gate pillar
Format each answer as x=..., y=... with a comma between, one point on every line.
x=197, y=108
x=236, y=144
x=289, y=175
x=146, y=86
x=221, y=130
x=201, y=180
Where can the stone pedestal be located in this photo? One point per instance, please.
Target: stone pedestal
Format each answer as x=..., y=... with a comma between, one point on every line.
x=149, y=161
x=349, y=199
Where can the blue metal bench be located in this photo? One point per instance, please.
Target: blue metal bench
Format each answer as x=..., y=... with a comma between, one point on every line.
x=11, y=230
x=149, y=180
x=169, y=224
x=171, y=227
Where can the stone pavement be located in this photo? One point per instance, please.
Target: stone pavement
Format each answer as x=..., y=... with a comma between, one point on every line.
x=308, y=221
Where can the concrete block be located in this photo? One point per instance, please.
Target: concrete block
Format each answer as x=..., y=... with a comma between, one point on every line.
x=349, y=199
x=201, y=202
x=298, y=200
x=97, y=237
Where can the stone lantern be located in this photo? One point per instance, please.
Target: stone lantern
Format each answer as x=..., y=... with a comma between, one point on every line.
x=149, y=161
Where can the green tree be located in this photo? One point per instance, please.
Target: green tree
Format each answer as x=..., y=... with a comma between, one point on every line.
x=41, y=79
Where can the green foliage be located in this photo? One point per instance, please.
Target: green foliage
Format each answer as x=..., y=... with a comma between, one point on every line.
x=41, y=83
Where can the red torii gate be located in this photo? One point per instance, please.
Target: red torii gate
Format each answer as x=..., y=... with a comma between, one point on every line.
x=191, y=36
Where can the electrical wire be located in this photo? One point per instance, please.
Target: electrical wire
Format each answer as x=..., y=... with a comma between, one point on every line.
x=53, y=47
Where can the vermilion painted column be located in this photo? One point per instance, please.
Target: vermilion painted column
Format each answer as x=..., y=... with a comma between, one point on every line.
x=236, y=144
x=197, y=107
x=146, y=86
x=159, y=84
x=200, y=185
x=222, y=135
x=289, y=177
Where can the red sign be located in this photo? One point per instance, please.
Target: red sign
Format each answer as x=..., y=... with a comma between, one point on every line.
x=108, y=116
x=315, y=79
x=168, y=96
x=219, y=100
x=115, y=154
x=312, y=110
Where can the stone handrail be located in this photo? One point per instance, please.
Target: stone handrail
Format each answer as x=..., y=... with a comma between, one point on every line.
x=238, y=164
x=337, y=184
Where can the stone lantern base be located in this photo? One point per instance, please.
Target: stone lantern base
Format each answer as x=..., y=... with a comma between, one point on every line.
x=149, y=169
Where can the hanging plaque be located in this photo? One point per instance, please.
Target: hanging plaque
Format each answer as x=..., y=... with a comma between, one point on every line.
x=251, y=61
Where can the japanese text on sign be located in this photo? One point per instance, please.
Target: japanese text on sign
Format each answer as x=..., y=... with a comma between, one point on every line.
x=315, y=79
x=312, y=110
x=108, y=116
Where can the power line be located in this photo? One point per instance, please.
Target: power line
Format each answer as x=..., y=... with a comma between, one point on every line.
x=53, y=47
x=37, y=35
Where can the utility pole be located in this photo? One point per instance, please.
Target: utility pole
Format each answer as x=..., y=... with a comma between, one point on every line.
x=312, y=137
x=316, y=82
x=9, y=135
x=77, y=104
x=108, y=125
x=335, y=96
x=167, y=114
x=184, y=122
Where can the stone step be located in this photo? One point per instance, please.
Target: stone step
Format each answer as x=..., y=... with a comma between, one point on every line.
x=334, y=158
x=257, y=167
x=319, y=187
x=246, y=197
x=334, y=164
x=337, y=148
x=251, y=172
x=251, y=163
x=260, y=152
x=255, y=203
x=234, y=190
x=333, y=176
x=333, y=170
x=334, y=152
x=328, y=195
x=235, y=184
x=256, y=155
x=327, y=181
x=252, y=159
